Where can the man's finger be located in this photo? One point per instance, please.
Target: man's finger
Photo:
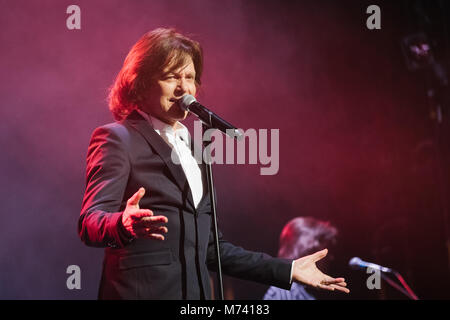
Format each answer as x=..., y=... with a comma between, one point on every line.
x=319, y=255
x=141, y=214
x=325, y=287
x=340, y=288
x=149, y=221
x=156, y=236
x=135, y=198
x=142, y=231
x=333, y=287
x=330, y=280
x=334, y=284
x=159, y=229
x=341, y=284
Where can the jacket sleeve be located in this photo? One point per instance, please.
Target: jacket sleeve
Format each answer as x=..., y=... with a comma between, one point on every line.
x=249, y=265
x=107, y=172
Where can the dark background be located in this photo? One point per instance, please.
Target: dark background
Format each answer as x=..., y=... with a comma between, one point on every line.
x=357, y=132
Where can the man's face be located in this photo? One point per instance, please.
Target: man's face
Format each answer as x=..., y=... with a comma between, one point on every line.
x=167, y=89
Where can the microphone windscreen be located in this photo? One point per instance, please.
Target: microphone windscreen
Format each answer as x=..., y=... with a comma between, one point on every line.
x=186, y=101
x=355, y=263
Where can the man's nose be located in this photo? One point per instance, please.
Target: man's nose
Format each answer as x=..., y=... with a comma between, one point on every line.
x=182, y=86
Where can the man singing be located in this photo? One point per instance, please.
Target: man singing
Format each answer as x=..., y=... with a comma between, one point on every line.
x=152, y=215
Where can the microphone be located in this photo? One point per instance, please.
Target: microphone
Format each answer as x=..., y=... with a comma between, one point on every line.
x=357, y=263
x=189, y=103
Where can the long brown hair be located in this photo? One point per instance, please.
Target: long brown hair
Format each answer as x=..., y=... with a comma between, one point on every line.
x=154, y=51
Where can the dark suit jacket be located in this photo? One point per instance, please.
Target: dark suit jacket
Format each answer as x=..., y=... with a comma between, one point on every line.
x=127, y=155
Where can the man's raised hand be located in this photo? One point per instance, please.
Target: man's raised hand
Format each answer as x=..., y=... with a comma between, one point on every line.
x=306, y=272
x=141, y=223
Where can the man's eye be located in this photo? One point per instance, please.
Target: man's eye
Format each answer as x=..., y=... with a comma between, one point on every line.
x=169, y=76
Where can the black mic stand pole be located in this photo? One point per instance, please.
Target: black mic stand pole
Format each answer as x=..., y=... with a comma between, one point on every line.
x=212, y=194
x=406, y=290
x=394, y=285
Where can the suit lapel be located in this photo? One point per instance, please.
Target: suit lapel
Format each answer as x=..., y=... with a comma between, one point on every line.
x=163, y=150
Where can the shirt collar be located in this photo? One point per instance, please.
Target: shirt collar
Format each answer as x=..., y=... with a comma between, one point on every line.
x=162, y=127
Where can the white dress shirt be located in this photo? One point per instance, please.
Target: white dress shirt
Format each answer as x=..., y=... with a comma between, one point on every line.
x=179, y=141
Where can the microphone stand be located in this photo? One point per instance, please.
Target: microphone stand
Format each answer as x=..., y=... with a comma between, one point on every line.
x=211, y=189
x=210, y=123
x=407, y=291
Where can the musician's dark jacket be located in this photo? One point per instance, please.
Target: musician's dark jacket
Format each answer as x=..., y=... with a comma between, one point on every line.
x=124, y=156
